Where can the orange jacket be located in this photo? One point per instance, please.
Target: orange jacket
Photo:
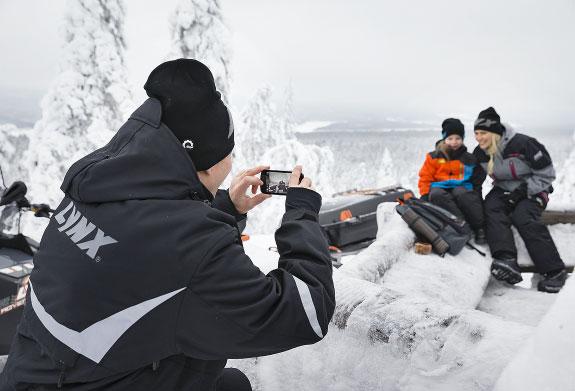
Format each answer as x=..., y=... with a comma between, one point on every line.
x=439, y=171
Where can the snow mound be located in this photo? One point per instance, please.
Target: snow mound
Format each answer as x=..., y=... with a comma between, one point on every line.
x=546, y=361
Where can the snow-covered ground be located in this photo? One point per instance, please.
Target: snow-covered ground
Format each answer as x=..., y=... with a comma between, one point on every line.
x=546, y=360
x=411, y=322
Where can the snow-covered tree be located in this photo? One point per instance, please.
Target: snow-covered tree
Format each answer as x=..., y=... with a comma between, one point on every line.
x=259, y=128
x=14, y=143
x=198, y=31
x=564, y=197
x=386, y=170
x=90, y=98
x=289, y=122
x=266, y=135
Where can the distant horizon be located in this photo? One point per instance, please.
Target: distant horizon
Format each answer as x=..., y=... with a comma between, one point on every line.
x=25, y=111
x=374, y=59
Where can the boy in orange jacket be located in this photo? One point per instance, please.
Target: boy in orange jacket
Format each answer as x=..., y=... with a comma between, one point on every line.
x=451, y=178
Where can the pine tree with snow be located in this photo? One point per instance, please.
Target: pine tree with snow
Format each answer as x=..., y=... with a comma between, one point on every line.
x=564, y=197
x=259, y=129
x=198, y=31
x=266, y=136
x=14, y=142
x=386, y=170
x=289, y=122
x=88, y=101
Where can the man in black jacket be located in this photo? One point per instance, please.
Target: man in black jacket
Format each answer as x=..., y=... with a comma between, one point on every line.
x=141, y=281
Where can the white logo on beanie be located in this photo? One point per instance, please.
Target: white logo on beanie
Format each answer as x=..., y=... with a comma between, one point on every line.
x=484, y=122
x=188, y=144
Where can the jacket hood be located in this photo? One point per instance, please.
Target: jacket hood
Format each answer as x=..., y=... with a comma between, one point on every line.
x=144, y=160
x=507, y=135
x=441, y=148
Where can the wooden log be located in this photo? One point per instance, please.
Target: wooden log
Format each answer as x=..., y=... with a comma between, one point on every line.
x=551, y=217
x=531, y=269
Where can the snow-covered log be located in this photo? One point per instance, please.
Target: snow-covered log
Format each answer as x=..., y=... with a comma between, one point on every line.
x=394, y=239
x=403, y=321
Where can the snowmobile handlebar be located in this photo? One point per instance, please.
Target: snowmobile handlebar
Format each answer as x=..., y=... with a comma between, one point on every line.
x=40, y=210
x=17, y=193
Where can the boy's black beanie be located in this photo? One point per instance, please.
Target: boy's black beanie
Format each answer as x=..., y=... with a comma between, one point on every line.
x=452, y=126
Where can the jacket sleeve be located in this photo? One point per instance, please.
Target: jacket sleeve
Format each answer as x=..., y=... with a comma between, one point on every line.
x=232, y=310
x=426, y=175
x=223, y=202
x=478, y=176
x=543, y=172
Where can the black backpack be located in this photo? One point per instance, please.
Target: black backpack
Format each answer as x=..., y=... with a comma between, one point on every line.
x=446, y=232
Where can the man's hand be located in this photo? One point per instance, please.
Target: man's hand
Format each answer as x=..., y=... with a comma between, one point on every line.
x=294, y=179
x=239, y=186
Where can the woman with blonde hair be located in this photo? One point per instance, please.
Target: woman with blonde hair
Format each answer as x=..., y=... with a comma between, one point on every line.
x=522, y=173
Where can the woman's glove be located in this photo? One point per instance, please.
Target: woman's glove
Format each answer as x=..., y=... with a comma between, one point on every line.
x=516, y=196
x=541, y=198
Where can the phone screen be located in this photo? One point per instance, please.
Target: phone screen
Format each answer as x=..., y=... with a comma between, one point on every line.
x=275, y=181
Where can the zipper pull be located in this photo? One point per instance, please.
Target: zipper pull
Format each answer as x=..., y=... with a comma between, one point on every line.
x=62, y=374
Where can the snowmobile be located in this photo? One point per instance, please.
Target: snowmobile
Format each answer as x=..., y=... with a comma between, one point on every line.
x=16, y=253
x=349, y=220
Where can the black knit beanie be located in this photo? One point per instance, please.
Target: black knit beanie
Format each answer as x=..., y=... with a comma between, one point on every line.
x=452, y=126
x=489, y=120
x=193, y=110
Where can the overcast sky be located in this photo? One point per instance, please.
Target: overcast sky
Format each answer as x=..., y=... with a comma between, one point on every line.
x=418, y=59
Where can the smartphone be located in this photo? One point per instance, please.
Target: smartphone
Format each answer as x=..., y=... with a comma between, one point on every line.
x=276, y=181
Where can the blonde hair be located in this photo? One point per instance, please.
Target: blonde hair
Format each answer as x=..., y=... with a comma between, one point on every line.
x=492, y=150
